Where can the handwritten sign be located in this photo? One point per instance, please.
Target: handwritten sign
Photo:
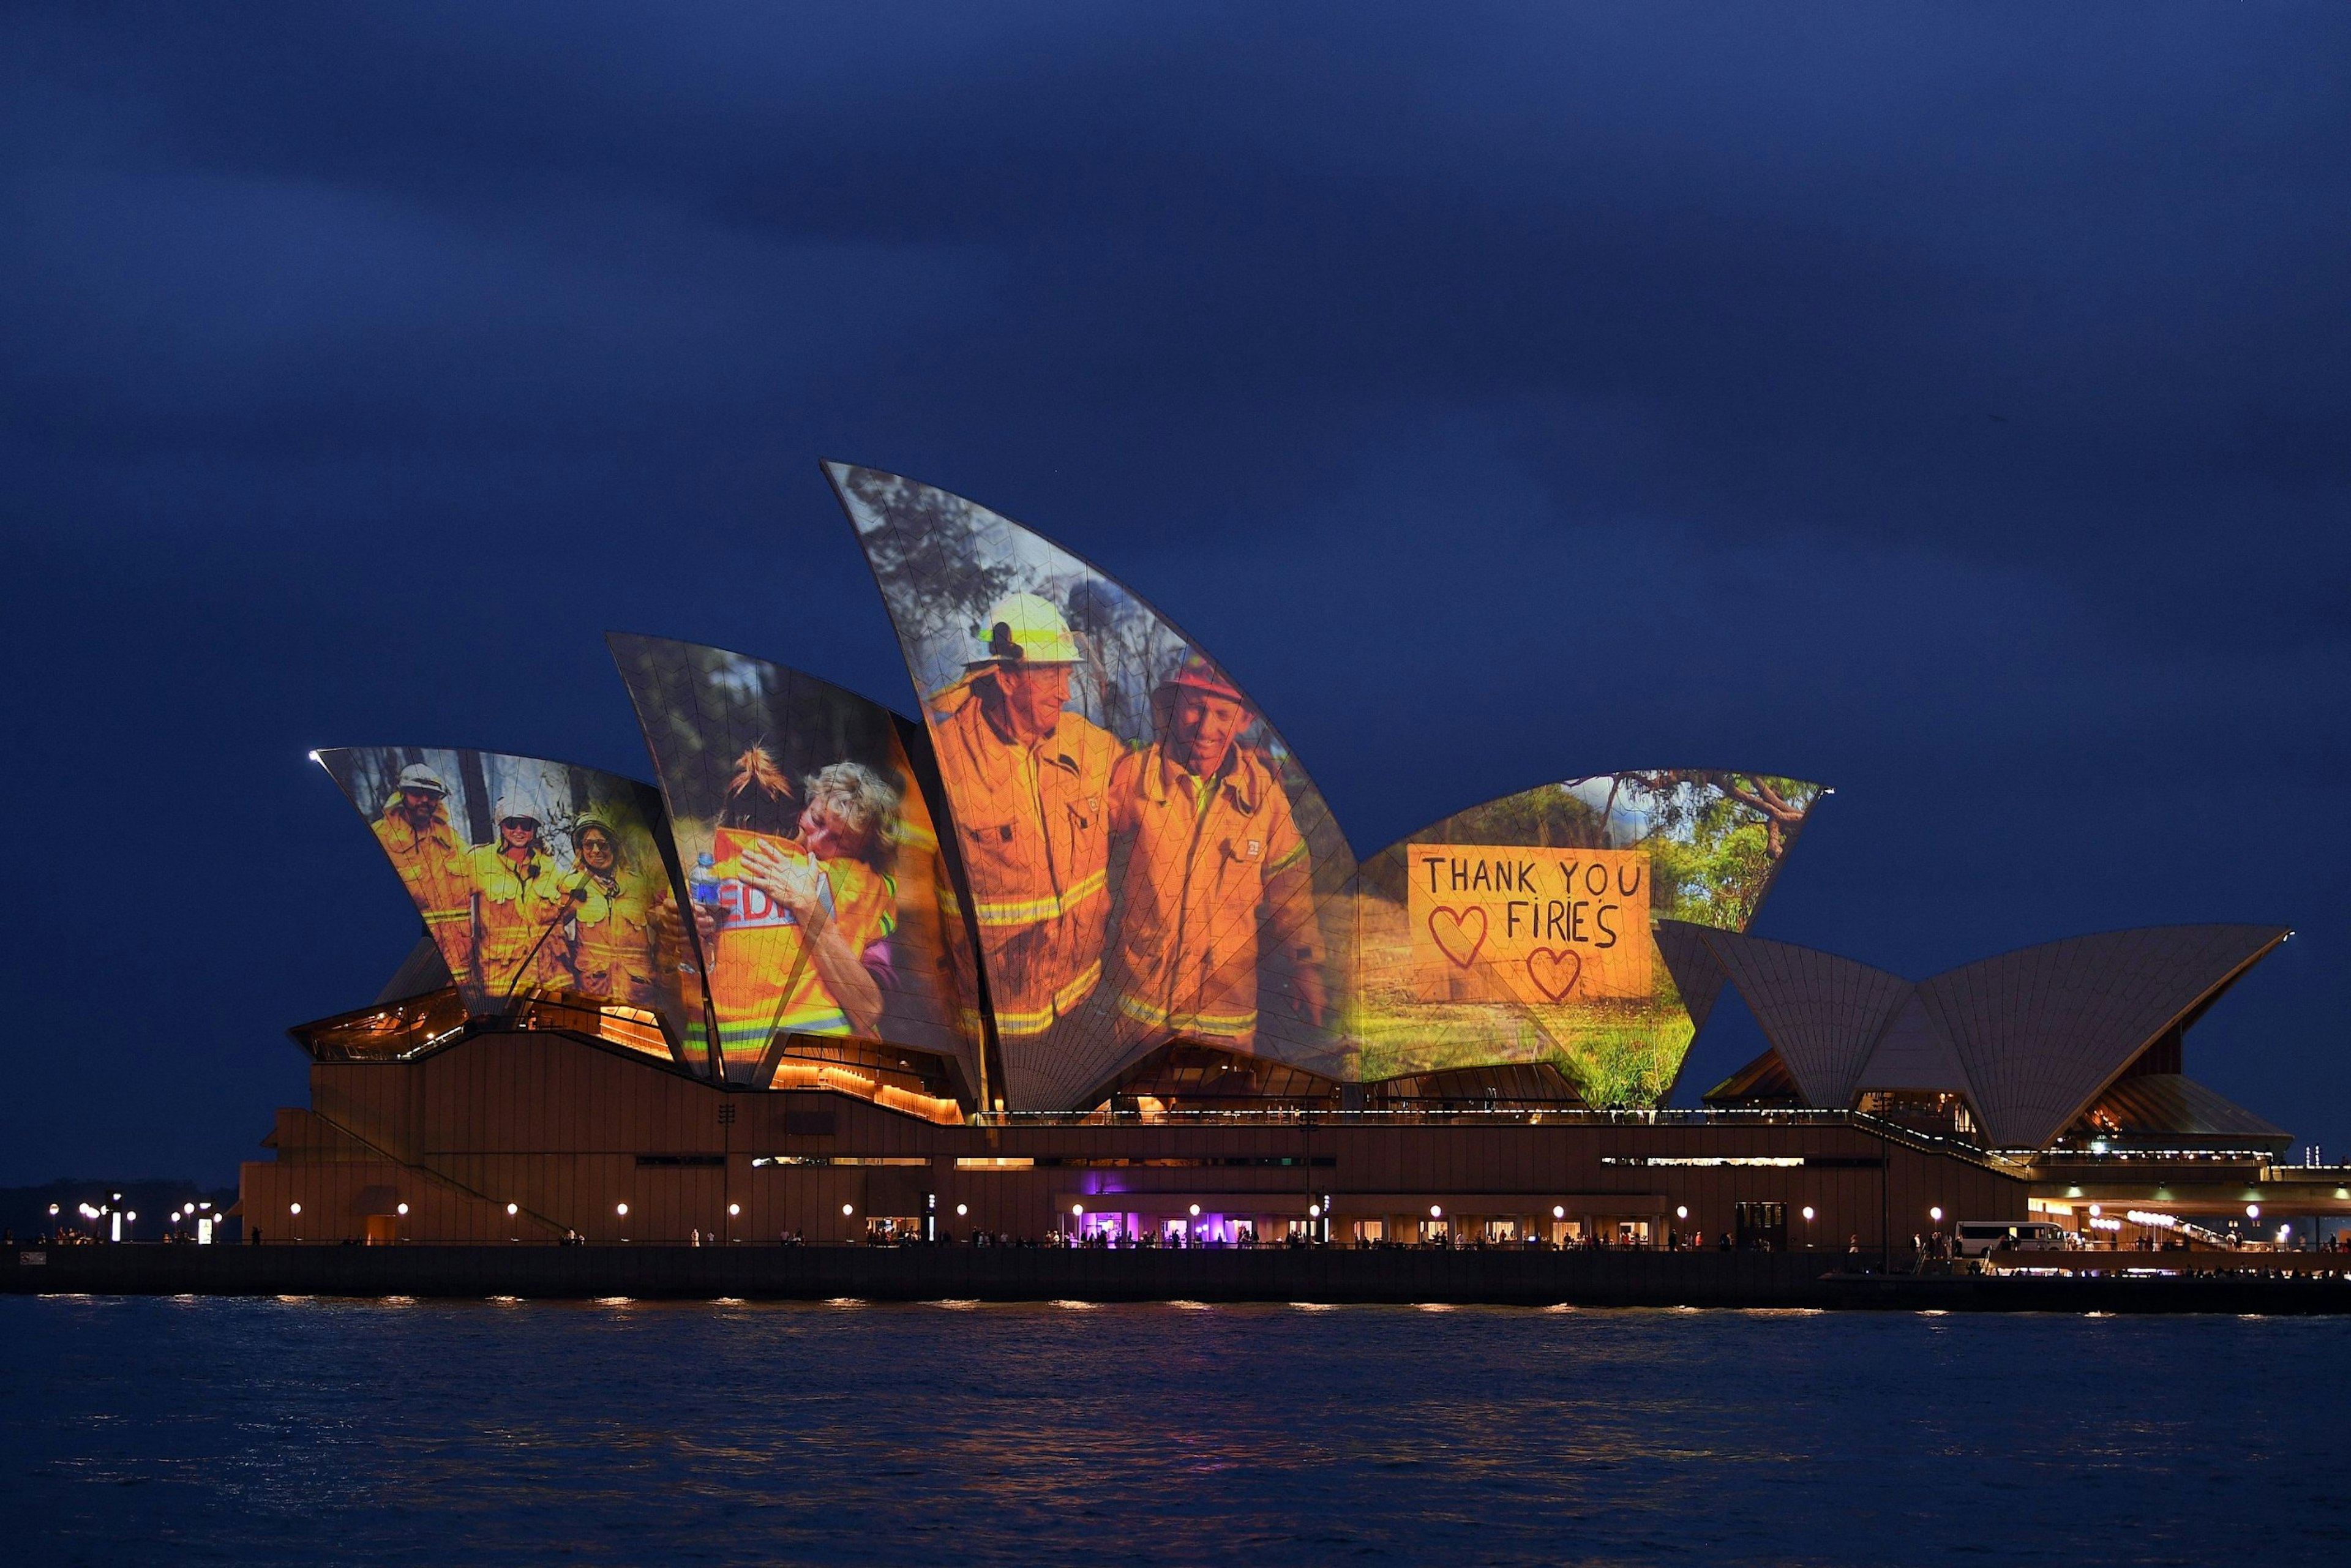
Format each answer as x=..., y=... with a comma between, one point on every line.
x=1504, y=923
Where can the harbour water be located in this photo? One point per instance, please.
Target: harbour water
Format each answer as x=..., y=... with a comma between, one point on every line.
x=382, y=1431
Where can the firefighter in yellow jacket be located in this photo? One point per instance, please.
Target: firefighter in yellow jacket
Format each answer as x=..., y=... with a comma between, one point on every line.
x=786, y=929
x=522, y=903
x=1027, y=782
x=1217, y=876
x=616, y=918
x=423, y=847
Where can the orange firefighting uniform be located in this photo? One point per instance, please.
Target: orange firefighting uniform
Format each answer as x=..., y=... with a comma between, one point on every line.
x=1034, y=829
x=763, y=979
x=1214, y=864
x=431, y=865
x=615, y=948
x=513, y=907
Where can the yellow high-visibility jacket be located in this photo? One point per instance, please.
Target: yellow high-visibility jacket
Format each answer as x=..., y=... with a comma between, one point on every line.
x=615, y=947
x=431, y=867
x=514, y=906
x=763, y=982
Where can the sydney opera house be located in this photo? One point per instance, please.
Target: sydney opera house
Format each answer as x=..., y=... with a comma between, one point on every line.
x=1079, y=952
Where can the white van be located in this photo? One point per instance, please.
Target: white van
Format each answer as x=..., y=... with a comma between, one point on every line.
x=1978, y=1236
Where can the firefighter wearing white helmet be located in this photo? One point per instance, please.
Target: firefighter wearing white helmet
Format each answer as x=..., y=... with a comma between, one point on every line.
x=414, y=832
x=1029, y=783
x=521, y=943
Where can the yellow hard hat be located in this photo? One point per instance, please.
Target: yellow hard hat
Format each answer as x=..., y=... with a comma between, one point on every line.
x=1025, y=629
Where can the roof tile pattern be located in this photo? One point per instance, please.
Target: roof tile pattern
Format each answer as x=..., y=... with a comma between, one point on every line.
x=2166, y=1105
x=1822, y=1013
x=2042, y=1029
x=1913, y=1052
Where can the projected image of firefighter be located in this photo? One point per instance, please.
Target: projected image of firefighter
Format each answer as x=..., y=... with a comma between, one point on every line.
x=535, y=879
x=789, y=900
x=1217, y=876
x=415, y=834
x=1029, y=780
x=522, y=900
x=1039, y=673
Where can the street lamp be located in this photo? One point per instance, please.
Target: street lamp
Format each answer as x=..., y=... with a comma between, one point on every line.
x=2252, y=1211
x=1936, y=1215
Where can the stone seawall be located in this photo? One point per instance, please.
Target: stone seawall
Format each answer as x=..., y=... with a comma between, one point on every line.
x=1024, y=1274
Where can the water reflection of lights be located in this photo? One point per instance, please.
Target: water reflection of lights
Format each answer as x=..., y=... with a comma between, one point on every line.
x=1075, y=1306
x=957, y=1306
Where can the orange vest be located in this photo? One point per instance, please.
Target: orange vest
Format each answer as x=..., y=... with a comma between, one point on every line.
x=1206, y=876
x=1033, y=825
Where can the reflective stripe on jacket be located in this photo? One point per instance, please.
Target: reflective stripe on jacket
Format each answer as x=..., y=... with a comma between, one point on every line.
x=517, y=908
x=615, y=950
x=1033, y=826
x=1215, y=866
x=431, y=866
x=763, y=980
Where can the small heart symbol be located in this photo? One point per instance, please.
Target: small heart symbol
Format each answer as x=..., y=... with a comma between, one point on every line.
x=1553, y=972
x=1453, y=929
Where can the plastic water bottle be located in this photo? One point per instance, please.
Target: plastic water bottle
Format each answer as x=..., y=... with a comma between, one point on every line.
x=702, y=882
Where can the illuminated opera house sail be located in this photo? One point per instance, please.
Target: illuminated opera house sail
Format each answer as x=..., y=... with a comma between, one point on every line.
x=1092, y=867
x=1087, y=883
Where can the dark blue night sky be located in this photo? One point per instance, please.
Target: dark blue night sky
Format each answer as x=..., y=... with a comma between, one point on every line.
x=1949, y=403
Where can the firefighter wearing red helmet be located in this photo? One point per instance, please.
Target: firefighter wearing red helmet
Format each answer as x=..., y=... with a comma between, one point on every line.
x=1218, y=876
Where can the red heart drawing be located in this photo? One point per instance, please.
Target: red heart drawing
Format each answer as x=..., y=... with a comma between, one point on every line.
x=1555, y=972
x=1455, y=931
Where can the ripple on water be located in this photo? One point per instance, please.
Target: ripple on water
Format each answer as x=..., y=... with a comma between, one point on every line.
x=357, y=1431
